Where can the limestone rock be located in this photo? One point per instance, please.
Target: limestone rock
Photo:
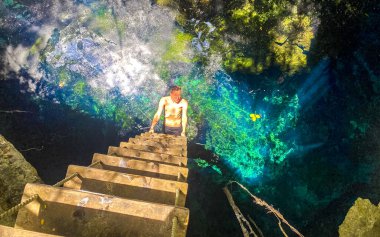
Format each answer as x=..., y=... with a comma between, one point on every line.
x=15, y=172
x=363, y=219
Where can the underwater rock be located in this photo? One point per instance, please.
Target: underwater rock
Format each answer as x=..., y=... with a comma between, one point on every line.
x=15, y=172
x=112, y=48
x=363, y=219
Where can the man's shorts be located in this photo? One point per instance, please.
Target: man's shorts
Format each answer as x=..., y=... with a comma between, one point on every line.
x=173, y=130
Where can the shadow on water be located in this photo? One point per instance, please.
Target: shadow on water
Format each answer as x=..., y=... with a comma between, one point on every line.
x=51, y=136
x=210, y=213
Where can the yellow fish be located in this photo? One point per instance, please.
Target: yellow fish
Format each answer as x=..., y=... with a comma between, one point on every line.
x=254, y=117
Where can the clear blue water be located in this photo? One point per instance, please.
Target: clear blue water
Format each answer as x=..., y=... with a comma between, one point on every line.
x=90, y=74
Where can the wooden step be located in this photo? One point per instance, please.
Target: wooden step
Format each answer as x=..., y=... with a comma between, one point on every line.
x=140, y=167
x=155, y=144
x=163, y=158
x=6, y=231
x=127, y=185
x=141, y=147
x=80, y=213
x=177, y=139
x=164, y=141
x=163, y=135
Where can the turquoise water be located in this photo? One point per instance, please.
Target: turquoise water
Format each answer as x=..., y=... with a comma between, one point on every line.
x=280, y=99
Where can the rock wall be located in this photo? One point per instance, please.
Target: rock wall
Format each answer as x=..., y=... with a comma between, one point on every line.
x=363, y=219
x=15, y=172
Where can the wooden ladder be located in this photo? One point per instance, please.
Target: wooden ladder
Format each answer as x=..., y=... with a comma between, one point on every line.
x=136, y=189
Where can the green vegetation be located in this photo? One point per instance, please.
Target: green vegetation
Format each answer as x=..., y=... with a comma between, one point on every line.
x=292, y=38
x=251, y=35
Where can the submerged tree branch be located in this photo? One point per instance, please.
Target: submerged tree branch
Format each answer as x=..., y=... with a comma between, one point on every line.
x=256, y=226
x=280, y=226
x=269, y=208
x=34, y=148
x=239, y=215
x=14, y=111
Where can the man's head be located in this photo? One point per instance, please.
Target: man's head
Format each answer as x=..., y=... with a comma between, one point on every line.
x=175, y=93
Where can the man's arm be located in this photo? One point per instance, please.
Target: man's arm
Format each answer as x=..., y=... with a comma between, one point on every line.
x=157, y=115
x=184, y=118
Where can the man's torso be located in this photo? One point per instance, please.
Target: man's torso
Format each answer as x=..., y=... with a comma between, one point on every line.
x=173, y=112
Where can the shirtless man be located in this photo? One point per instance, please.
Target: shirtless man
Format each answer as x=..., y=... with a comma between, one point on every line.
x=175, y=113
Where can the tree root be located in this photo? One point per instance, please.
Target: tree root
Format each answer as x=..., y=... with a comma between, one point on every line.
x=33, y=148
x=14, y=111
x=242, y=221
x=262, y=203
x=256, y=226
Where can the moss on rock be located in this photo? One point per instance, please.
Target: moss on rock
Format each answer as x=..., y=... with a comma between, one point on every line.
x=363, y=219
x=15, y=172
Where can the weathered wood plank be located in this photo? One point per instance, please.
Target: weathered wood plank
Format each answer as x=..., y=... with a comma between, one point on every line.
x=163, y=158
x=80, y=213
x=144, y=147
x=141, y=167
x=127, y=185
x=6, y=231
x=155, y=144
x=164, y=141
x=163, y=135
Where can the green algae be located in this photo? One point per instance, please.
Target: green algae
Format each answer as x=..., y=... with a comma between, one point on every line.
x=63, y=77
x=178, y=47
x=8, y=2
x=244, y=144
x=36, y=46
x=204, y=164
x=79, y=88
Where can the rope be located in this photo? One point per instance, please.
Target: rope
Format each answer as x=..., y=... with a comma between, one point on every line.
x=14, y=209
x=66, y=179
x=174, y=226
x=95, y=163
x=73, y=175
